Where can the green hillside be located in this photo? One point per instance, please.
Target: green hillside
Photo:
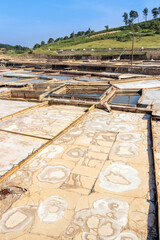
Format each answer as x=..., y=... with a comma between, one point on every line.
x=147, y=35
x=9, y=49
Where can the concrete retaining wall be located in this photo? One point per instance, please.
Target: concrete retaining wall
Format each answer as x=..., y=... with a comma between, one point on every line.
x=85, y=57
x=89, y=67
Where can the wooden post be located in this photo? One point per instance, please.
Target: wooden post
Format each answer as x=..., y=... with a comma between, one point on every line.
x=132, y=49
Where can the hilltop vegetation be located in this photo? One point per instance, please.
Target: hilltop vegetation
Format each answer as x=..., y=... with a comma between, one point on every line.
x=147, y=35
x=9, y=49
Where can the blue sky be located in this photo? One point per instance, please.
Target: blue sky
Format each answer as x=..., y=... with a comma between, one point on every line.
x=27, y=22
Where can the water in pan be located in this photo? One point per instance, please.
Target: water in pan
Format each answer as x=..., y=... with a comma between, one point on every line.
x=12, y=79
x=35, y=81
x=46, y=76
x=87, y=79
x=84, y=95
x=4, y=89
x=20, y=75
x=62, y=77
x=126, y=99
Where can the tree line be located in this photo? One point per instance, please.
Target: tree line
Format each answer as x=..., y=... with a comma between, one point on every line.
x=129, y=19
x=71, y=36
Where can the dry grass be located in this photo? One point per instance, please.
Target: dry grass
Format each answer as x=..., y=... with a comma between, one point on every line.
x=101, y=34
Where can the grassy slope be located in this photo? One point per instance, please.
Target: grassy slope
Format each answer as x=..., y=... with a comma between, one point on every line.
x=146, y=42
x=145, y=38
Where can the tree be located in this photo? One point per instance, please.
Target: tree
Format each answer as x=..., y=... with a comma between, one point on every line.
x=37, y=45
x=65, y=38
x=88, y=31
x=81, y=33
x=30, y=51
x=125, y=18
x=72, y=35
x=137, y=28
x=155, y=12
x=50, y=40
x=43, y=43
x=133, y=15
x=147, y=25
x=106, y=27
x=130, y=22
x=18, y=47
x=59, y=39
x=157, y=28
x=145, y=13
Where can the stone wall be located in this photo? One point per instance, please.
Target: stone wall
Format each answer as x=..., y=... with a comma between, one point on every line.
x=85, y=57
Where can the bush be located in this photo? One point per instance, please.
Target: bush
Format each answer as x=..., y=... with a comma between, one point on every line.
x=30, y=51
x=137, y=28
x=125, y=38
